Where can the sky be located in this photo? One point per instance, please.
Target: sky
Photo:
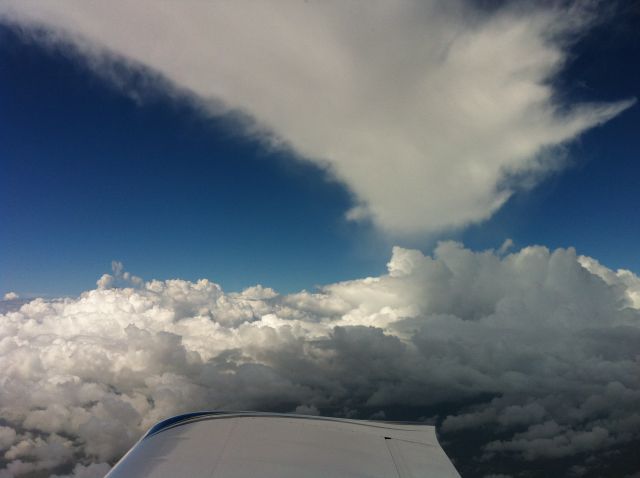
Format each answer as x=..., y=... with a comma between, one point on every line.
x=107, y=162
x=202, y=202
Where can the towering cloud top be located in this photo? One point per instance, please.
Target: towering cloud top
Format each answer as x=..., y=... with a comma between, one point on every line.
x=534, y=354
x=427, y=111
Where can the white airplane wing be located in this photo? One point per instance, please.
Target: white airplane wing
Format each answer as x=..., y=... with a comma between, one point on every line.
x=268, y=445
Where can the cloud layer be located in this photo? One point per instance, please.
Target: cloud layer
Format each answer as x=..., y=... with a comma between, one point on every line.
x=539, y=348
x=428, y=111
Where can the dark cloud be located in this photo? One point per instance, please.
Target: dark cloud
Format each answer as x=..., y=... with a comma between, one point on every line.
x=527, y=360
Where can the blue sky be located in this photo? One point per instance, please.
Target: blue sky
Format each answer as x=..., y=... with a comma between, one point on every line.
x=90, y=173
x=593, y=205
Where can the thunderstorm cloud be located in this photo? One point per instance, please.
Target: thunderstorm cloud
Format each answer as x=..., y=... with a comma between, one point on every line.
x=431, y=113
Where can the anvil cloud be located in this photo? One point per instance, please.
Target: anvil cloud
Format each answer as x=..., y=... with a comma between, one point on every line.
x=431, y=113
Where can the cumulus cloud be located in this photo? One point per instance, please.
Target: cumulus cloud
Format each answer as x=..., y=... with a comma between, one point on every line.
x=95, y=470
x=539, y=348
x=118, y=277
x=11, y=296
x=431, y=113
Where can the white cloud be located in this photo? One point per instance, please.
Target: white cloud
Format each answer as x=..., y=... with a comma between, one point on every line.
x=11, y=296
x=119, y=278
x=550, y=336
x=428, y=111
x=622, y=278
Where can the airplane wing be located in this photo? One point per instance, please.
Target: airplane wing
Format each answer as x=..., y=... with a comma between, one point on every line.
x=269, y=445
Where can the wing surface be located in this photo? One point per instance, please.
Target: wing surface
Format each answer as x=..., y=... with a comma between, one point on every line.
x=234, y=445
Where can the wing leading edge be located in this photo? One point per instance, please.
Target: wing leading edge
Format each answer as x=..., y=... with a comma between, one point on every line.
x=244, y=444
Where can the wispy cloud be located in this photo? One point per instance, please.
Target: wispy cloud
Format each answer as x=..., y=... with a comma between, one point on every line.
x=431, y=113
